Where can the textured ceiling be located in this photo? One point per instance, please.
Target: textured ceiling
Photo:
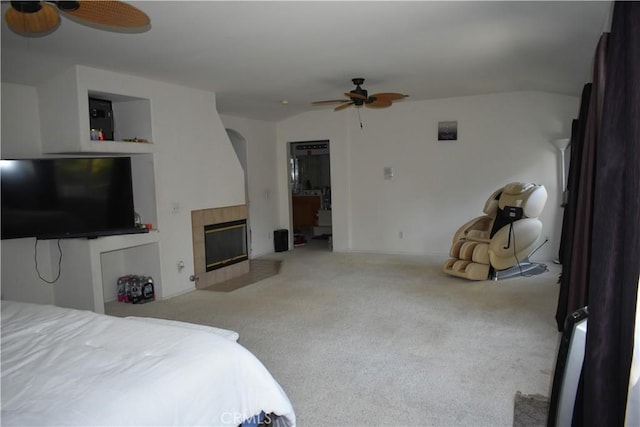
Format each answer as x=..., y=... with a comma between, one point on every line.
x=254, y=54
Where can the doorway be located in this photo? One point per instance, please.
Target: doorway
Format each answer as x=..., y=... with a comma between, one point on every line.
x=310, y=186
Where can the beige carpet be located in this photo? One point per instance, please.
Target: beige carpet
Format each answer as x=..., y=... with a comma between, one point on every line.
x=386, y=340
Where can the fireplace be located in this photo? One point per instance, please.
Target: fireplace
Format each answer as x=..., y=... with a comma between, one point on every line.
x=225, y=244
x=220, y=248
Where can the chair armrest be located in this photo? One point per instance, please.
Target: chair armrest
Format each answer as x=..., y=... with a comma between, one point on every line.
x=477, y=228
x=505, y=252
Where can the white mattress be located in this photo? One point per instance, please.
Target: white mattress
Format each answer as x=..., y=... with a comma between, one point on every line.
x=70, y=367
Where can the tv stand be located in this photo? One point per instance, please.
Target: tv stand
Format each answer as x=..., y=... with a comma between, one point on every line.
x=94, y=234
x=91, y=266
x=119, y=232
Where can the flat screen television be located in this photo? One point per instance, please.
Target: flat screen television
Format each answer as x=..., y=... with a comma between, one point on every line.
x=51, y=198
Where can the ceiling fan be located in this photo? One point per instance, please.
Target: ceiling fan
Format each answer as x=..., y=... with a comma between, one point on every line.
x=359, y=97
x=40, y=18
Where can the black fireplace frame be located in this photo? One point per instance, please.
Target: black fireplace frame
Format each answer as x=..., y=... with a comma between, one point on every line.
x=242, y=254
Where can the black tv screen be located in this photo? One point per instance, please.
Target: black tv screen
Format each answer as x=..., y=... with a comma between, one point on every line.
x=67, y=197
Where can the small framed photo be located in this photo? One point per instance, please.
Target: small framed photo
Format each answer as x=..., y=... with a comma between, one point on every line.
x=448, y=131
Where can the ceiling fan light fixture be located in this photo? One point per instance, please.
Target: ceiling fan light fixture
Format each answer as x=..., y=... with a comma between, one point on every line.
x=68, y=6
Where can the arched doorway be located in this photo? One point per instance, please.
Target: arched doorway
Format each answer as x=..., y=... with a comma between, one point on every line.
x=239, y=144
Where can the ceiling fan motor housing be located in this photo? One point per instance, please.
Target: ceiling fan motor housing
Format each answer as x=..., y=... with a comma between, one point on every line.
x=34, y=6
x=359, y=91
x=26, y=6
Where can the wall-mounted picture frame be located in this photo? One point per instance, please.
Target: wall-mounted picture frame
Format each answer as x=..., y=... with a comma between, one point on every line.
x=448, y=131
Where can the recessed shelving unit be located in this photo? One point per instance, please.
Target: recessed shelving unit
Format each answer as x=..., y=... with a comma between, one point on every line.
x=65, y=129
x=64, y=114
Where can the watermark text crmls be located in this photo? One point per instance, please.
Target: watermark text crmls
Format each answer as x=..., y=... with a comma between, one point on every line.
x=238, y=418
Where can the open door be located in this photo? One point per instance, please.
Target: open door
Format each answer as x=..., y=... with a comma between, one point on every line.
x=310, y=185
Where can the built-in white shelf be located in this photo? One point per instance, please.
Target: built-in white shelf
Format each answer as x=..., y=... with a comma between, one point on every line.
x=64, y=113
x=63, y=101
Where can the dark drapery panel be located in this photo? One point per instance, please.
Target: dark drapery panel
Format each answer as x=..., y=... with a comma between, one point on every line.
x=614, y=262
x=578, y=127
x=574, y=289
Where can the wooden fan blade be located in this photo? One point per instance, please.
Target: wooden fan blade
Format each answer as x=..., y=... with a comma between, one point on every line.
x=35, y=24
x=110, y=15
x=379, y=103
x=355, y=95
x=330, y=101
x=391, y=96
x=343, y=106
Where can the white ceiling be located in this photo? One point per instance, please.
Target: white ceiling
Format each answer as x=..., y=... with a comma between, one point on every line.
x=254, y=54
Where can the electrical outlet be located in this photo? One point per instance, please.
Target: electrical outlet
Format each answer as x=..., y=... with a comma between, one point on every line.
x=175, y=207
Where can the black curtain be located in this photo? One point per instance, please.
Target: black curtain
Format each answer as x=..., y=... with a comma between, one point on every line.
x=578, y=218
x=600, y=249
x=615, y=257
x=568, y=220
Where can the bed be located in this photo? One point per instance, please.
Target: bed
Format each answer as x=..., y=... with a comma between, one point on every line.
x=69, y=367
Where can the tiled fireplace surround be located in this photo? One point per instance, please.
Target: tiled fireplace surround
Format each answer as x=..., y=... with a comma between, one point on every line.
x=200, y=219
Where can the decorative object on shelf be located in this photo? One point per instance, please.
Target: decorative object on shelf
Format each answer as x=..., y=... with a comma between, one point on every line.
x=101, y=119
x=97, y=135
x=137, y=220
x=39, y=18
x=448, y=131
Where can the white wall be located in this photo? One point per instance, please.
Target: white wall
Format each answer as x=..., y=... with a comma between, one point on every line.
x=437, y=186
x=260, y=137
x=20, y=138
x=195, y=168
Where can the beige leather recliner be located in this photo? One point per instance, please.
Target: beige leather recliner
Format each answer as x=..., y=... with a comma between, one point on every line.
x=498, y=244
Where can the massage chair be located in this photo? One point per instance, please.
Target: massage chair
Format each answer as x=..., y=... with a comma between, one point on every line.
x=498, y=244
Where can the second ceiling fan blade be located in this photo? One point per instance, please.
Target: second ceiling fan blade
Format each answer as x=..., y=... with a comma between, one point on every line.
x=109, y=15
x=343, y=106
x=330, y=101
x=354, y=95
x=38, y=23
x=391, y=96
x=379, y=103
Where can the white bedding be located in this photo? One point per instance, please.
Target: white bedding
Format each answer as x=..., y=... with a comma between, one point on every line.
x=70, y=367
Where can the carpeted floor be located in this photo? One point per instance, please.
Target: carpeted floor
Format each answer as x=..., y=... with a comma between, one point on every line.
x=259, y=269
x=361, y=339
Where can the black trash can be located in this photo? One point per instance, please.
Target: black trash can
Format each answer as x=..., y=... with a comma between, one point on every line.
x=281, y=240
